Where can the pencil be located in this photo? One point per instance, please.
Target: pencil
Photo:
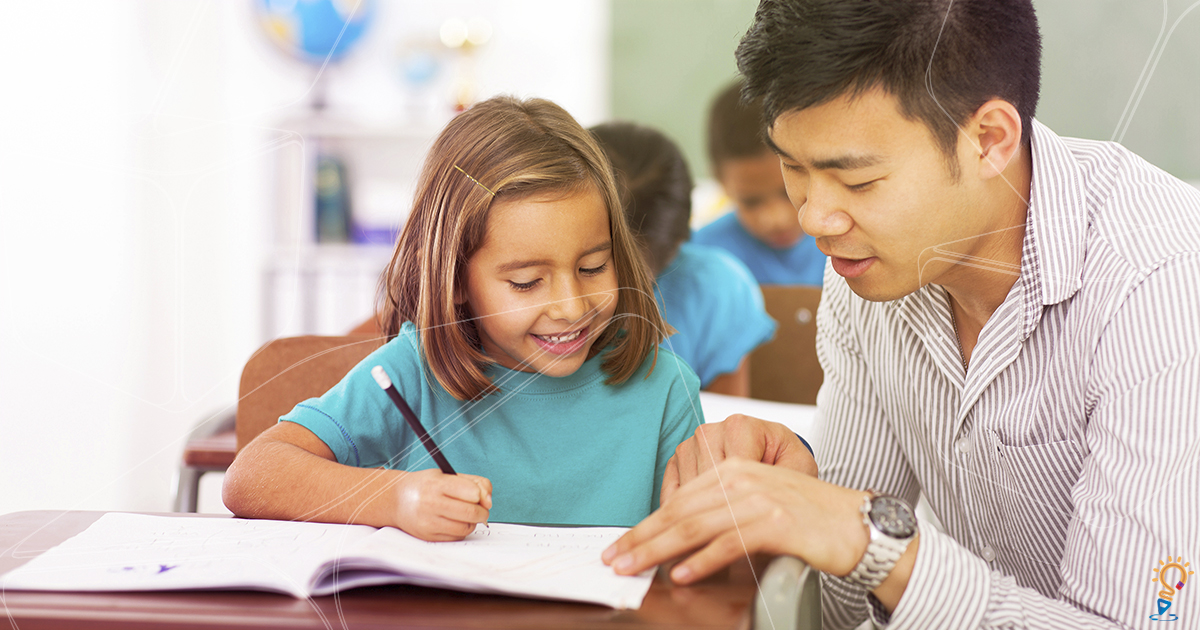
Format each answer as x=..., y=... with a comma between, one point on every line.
x=385, y=384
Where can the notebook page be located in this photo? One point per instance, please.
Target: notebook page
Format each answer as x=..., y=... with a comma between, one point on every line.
x=138, y=552
x=546, y=562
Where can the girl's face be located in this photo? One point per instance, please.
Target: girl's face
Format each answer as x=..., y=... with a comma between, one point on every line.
x=543, y=285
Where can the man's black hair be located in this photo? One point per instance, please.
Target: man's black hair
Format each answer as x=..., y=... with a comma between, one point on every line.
x=941, y=59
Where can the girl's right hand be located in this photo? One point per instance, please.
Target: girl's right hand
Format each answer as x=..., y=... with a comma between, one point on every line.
x=438, y=507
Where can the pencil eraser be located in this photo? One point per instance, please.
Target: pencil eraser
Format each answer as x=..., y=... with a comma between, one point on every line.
x=381, y=377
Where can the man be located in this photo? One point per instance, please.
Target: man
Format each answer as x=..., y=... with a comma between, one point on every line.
x=1008, y=324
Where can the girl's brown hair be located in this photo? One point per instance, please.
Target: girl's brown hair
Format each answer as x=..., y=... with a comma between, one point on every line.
x=504, y=148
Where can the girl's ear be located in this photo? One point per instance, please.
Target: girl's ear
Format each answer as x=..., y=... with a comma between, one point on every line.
x=460, y=296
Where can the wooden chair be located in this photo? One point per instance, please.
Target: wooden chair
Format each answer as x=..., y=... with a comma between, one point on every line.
x=280, y=374
x=786, y=369
x=290, y=370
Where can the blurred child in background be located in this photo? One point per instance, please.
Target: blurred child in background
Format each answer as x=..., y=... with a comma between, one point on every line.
x=763, y=231
x=707, y=295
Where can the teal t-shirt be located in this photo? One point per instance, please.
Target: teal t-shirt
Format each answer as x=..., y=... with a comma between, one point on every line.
x=569, y=450
x=716, y=309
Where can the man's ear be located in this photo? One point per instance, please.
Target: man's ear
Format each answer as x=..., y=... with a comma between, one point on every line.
x=995, y=135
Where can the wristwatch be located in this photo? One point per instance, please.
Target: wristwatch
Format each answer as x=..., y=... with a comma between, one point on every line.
x=892, y=525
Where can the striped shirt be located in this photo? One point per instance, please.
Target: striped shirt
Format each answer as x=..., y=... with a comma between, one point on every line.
x=1064, y=465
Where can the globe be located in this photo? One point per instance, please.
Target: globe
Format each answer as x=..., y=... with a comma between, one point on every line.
x=315, y=31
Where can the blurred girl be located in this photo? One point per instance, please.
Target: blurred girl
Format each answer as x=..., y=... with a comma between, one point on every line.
x=708, y=296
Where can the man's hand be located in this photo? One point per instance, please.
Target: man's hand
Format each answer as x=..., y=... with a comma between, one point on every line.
x=738, y=436
x=743, y=507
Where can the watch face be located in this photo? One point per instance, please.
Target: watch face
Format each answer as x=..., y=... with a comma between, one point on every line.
x=893, y=517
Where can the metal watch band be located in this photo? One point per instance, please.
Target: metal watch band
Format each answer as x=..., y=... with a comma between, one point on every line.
x=882, y=553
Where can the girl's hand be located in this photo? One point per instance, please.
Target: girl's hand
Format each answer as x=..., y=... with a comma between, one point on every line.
x=438, y=507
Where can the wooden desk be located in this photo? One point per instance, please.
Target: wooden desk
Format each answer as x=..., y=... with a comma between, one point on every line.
x=722, y=601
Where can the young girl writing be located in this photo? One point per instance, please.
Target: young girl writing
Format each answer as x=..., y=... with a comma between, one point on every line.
x=522, y=331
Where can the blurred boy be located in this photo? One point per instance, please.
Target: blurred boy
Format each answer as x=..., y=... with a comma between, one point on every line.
x=763, y=231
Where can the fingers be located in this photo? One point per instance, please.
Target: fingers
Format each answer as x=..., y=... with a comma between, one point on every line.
x=470, y=488
x=435, y=506
x=697, y=454
x=670, y=481
x=648, y=548
x=699, y=496
x=467, y=498
x=445, y=530
x=709, y=447
x=746, y=437
x=738, y=436
x=716, y=555
x=753, y=534
x=485, y=487
x=797, y=458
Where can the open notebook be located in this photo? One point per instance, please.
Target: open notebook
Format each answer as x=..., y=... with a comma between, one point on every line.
x=135, y=552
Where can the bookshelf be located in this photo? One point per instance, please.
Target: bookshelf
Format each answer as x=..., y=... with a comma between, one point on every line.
x=340, y=192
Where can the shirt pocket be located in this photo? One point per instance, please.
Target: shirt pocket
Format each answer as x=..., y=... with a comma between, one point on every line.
x=1035, y=489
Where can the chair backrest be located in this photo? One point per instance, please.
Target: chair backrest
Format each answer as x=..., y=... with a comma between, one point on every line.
x=786, y=369
x=290, y=370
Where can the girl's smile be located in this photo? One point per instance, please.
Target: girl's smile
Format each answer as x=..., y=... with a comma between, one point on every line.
x=564, y=343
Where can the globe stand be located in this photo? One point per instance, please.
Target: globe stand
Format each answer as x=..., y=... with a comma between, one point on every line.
x=318, y=94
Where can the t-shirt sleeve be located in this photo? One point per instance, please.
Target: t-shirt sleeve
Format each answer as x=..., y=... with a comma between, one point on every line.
x=738, y=319
x=681, y=415
x=355, y=418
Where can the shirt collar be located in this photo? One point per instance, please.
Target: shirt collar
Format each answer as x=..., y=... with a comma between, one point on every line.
x=1056, y=228
x=1055, y=231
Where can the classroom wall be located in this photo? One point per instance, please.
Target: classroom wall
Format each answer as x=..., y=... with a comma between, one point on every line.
x=134, y=196
x=669, y=58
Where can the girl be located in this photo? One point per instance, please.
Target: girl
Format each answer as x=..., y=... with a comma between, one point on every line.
x=522, y=330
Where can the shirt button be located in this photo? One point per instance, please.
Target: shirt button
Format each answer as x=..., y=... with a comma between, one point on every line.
x=987, y=553
x=963, y=445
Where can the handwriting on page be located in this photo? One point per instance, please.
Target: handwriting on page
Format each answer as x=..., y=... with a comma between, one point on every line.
x=514, y=553
x=562, y=538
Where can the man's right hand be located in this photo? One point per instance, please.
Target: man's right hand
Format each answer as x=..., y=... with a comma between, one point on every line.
x=738, y=436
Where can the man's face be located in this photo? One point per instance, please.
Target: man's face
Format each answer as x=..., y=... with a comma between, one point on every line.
x=755, y=185
x=875, y=191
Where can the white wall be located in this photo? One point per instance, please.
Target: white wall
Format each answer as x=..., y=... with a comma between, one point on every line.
x=133, y=203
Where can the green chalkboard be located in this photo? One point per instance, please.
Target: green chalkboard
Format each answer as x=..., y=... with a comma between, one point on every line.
x=669, y=58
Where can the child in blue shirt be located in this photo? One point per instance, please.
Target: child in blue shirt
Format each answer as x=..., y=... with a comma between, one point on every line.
x=763, y=230
x=705, y=294
x=521, y=331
